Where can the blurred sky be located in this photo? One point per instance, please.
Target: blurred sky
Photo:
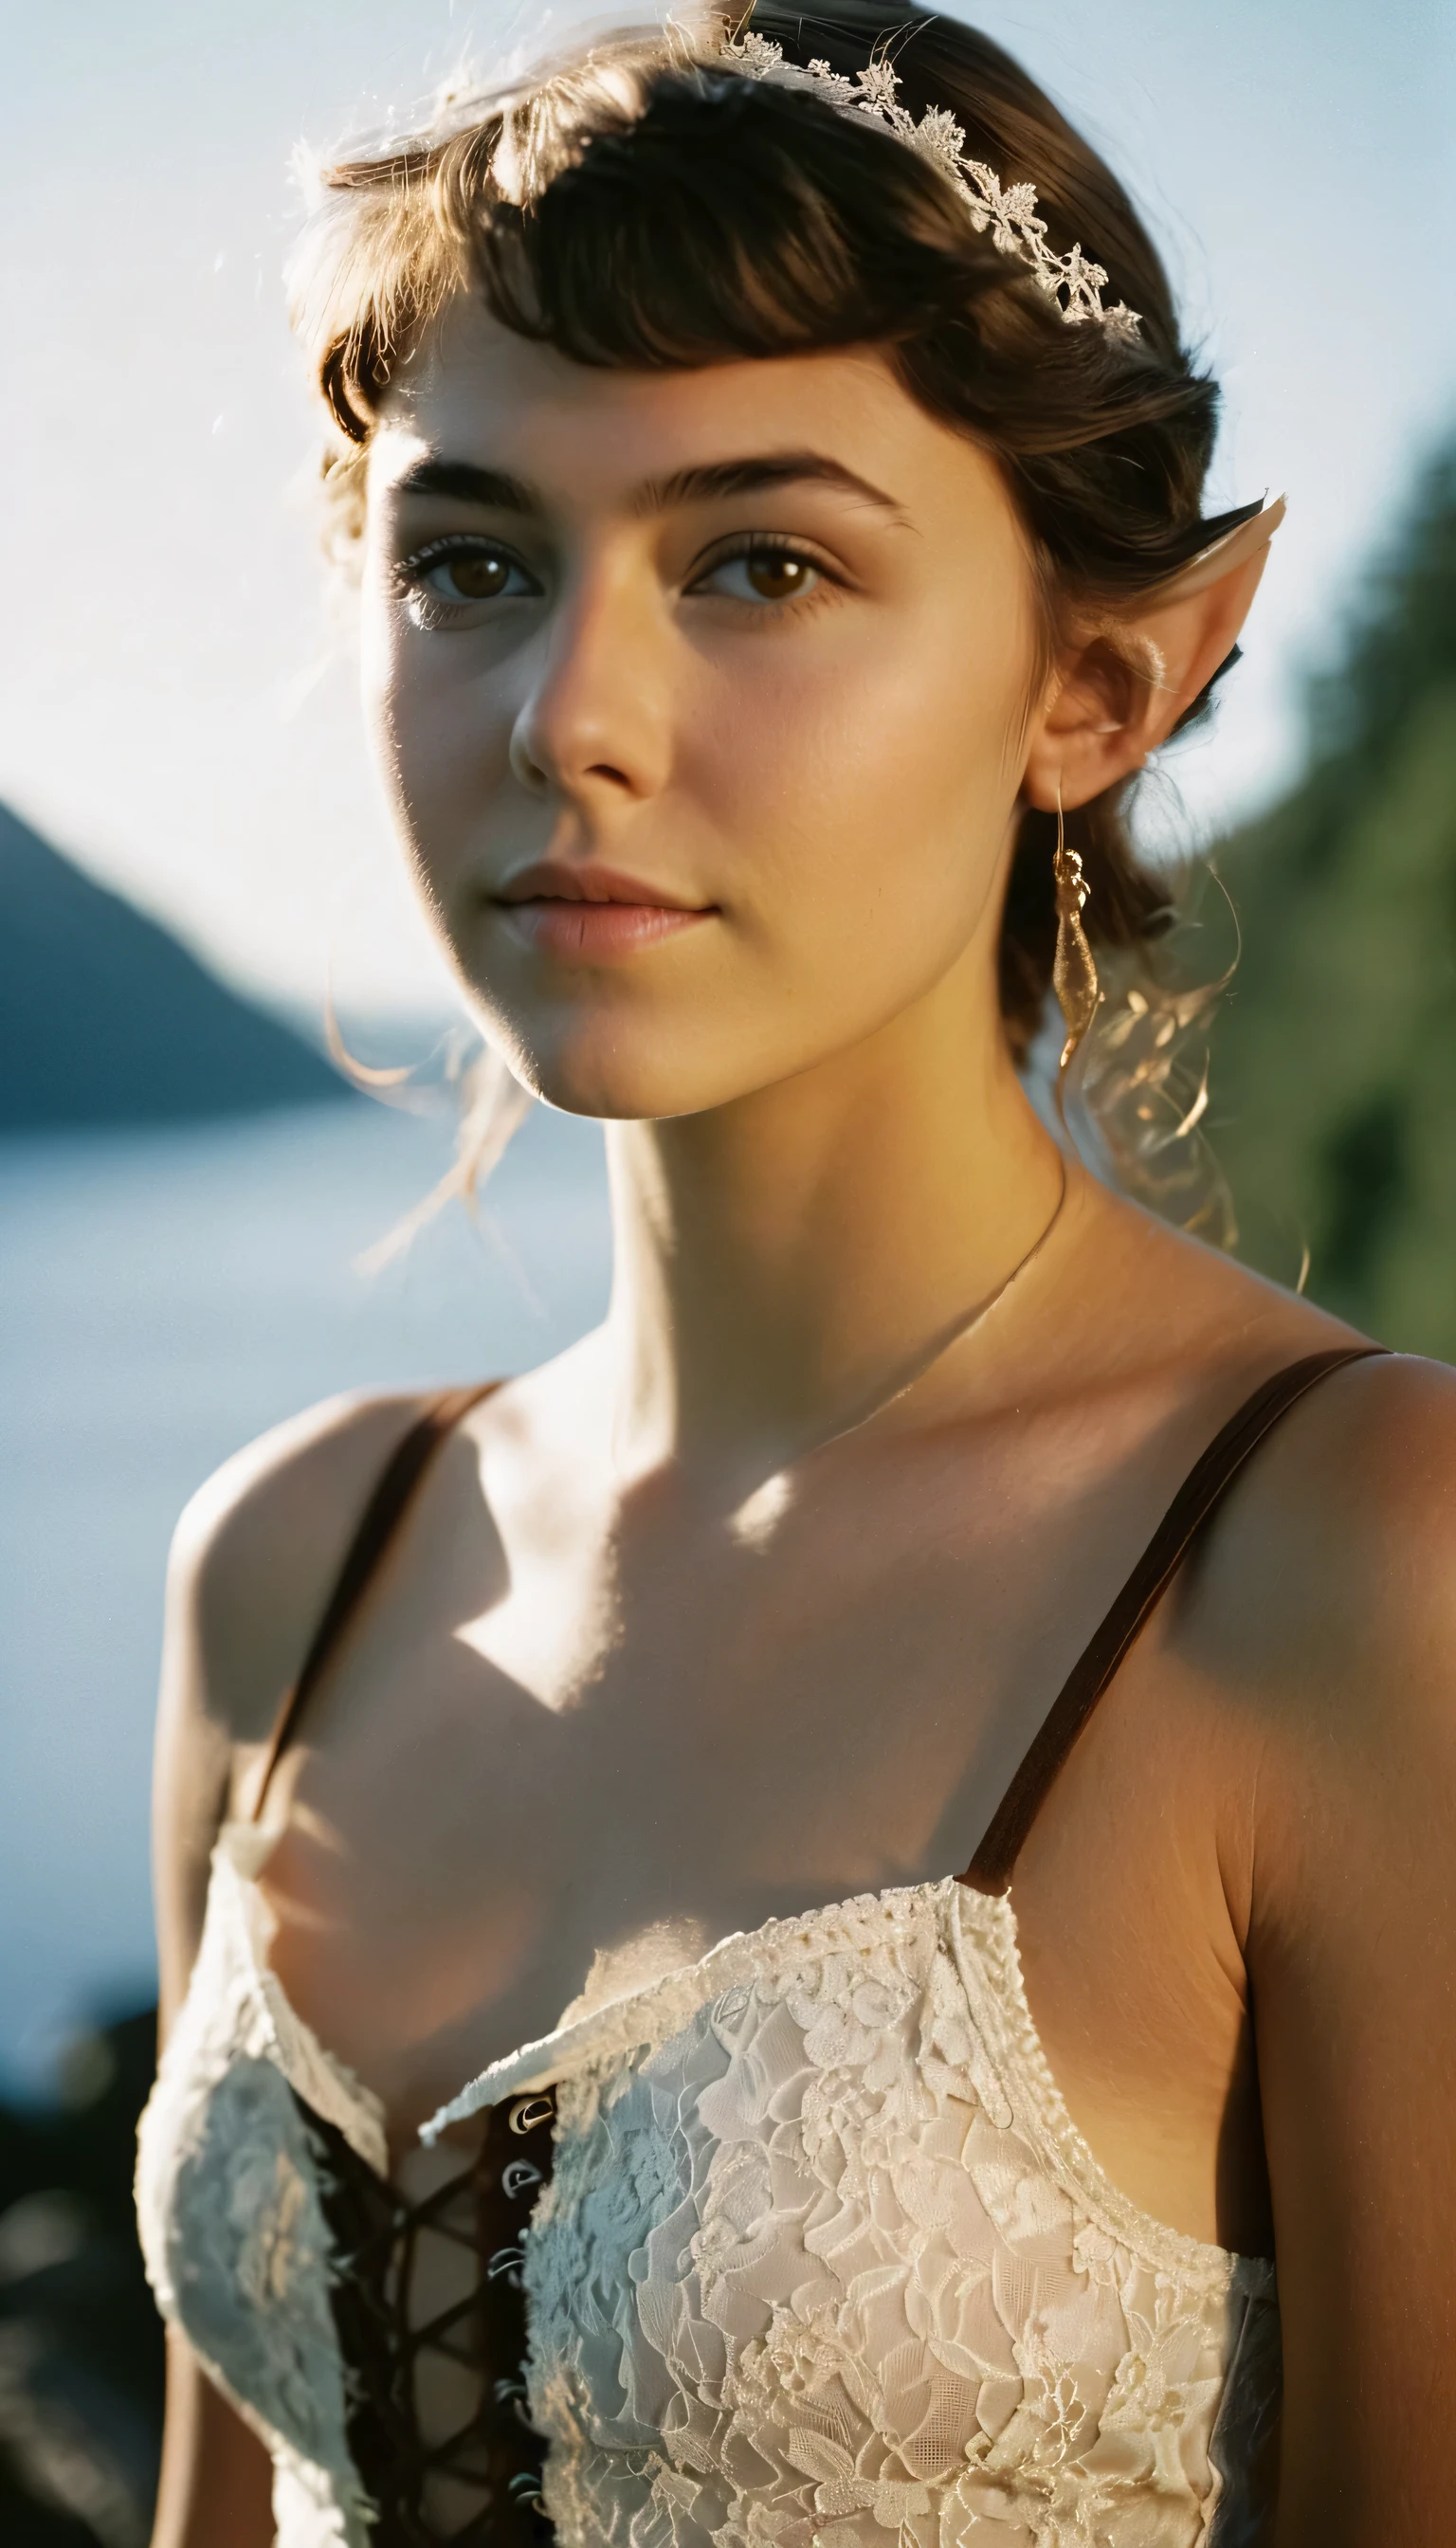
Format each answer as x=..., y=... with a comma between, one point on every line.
x=160, y=713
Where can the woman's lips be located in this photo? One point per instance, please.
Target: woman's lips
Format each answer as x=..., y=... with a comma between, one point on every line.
x=592, y=932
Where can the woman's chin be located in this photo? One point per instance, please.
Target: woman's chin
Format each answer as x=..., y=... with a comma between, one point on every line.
x=612, y=1088
x=616, y=1085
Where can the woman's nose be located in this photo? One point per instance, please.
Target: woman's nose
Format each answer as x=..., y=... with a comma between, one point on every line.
x=595, y=722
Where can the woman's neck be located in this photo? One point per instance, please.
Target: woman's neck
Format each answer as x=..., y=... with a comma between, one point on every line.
x=785, y=1261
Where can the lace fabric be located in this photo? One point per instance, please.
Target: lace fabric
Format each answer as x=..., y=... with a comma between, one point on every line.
x=274, y=2238
x=230, y=2209
x=823, y=2257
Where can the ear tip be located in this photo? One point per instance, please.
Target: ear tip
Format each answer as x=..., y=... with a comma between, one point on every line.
x=1236, y=548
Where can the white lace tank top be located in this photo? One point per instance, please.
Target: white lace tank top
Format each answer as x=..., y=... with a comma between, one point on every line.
x=819, y=2259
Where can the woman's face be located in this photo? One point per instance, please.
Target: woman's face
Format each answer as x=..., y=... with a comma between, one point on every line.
x=701, y=698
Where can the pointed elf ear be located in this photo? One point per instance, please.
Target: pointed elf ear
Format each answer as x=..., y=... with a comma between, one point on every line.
x=1116, y=694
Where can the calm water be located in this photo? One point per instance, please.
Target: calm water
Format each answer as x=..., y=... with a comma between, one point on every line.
x=163, y=1297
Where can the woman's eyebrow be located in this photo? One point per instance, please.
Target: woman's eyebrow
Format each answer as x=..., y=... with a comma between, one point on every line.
x=720, y=477
x=469, y=484
x=496, y=489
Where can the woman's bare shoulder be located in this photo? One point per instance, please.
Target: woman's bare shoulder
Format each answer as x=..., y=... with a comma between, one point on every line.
x=1187, y=1304
x=1328, y=1610
x=1325, y=1597
x=1321, y=1602
x=252, y=1560
x=256, y=1550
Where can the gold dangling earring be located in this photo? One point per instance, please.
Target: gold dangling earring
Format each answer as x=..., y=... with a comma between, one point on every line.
x=1073, y=967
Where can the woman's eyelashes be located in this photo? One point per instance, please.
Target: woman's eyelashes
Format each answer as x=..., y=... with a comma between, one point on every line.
x=450, y=578
x=460, y=576
x=764, y=573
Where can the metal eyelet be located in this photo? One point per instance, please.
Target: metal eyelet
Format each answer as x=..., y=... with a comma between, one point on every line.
x=528, y=2112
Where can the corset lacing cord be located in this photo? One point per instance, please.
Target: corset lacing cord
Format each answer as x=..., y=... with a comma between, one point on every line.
x=484, y=2209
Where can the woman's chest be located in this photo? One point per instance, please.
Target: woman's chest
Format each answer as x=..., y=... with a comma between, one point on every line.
x=469, y=1846
x=817, y=2221
x=484, y=1801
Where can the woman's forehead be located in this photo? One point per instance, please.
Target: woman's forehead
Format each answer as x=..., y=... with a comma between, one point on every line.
x=477, y=393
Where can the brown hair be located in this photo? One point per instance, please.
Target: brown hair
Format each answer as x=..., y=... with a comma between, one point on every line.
x=637, y=208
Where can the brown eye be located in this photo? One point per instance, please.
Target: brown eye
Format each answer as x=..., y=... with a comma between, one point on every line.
x=766, y=574
x=775, y=576
x=458, y=574
x=471, y=579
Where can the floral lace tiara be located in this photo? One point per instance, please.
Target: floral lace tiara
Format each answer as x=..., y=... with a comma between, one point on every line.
x=1009, y=213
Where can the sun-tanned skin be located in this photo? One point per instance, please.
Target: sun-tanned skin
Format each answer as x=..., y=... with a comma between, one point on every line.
x=663, y=1651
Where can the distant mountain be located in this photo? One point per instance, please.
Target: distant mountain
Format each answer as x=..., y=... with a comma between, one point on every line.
x=106, y=1019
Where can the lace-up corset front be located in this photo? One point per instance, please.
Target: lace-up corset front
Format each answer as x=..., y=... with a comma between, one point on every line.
x=821, y=2259
x=275, y=2240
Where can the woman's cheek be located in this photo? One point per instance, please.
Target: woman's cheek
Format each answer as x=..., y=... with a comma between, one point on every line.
x=441, y=752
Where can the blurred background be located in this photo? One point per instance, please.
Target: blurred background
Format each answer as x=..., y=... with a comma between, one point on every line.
x=190, y=850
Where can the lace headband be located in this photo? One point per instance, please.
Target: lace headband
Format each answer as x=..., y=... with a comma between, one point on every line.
x=1009, y=213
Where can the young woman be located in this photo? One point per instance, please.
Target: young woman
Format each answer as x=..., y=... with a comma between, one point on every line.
x=781, y=546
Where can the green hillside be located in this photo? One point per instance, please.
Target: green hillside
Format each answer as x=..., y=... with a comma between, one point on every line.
x=1335, y=1058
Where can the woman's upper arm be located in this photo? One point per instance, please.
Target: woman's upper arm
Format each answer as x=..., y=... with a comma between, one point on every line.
x=1354, y=1976
x=251, y=1563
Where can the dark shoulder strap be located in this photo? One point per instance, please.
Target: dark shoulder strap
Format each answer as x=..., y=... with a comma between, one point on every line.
x=990, y=1870
x=377, y=1526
